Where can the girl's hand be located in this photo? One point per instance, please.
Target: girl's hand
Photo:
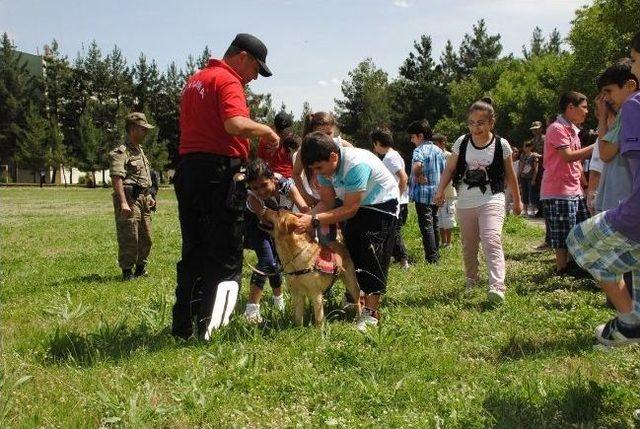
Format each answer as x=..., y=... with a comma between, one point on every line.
x=304, y=223
x=438, y=199
x=255, y=204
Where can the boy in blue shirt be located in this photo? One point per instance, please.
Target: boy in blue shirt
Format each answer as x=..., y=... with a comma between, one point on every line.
x=369, y=194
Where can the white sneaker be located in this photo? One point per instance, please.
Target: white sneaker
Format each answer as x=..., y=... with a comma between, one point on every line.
x=365, y=321
x=252, y=313
x=495, y=296
x=278, y=302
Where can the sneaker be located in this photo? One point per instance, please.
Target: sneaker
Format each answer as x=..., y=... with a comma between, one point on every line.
x=404, y=264
x=495, y=296
x=615, y=333
x=278, y=302
x=127, y=275
x=252, y=313
x=365, y=321
x=445, y=245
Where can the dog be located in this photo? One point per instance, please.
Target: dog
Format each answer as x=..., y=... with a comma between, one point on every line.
x=306, y=264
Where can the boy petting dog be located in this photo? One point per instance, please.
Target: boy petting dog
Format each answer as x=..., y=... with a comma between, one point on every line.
x=369, y=195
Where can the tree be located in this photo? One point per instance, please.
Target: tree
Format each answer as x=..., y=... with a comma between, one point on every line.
x=204, y=58
x=32, y=152
x=450, y=64
x=18, y=90
x=366, y=104
x=420, y=92
x=478, y=48
x=168, y=110
x=599, y=36
x=91, y=148
x=155, y=149
x=539, y=46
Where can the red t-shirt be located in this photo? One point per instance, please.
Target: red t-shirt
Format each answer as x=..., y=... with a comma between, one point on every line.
x=210, y=97
x=279, y=159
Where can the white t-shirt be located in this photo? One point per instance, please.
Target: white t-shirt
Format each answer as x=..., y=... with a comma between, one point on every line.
x=479, y=159
x=394, y=162
x=596, y=163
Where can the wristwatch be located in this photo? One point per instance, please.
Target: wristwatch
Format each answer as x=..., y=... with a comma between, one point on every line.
x=315, y=223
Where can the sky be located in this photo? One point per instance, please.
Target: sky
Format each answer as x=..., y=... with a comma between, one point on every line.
x=312, y=44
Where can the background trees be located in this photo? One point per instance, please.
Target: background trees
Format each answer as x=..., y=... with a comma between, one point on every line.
x=73, y=112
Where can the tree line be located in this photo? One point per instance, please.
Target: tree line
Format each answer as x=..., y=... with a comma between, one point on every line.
x=74, y=113
x=524, y=88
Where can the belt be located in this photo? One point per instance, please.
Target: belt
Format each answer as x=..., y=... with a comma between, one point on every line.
x=212, y=157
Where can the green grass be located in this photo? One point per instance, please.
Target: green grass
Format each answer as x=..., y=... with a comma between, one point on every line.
x=82, y=349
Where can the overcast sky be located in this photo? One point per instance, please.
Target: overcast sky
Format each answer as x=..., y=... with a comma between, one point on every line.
x=312, y=44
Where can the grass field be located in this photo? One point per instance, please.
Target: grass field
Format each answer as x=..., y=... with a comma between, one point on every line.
x=80, y=348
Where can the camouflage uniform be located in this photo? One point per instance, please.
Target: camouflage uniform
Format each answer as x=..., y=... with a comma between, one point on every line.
x=134, y=230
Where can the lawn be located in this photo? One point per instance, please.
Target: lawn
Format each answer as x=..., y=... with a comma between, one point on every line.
x=80, y=348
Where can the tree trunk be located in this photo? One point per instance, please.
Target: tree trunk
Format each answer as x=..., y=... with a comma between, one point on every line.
x=93, y=174
x=53, y=176
x=64, y=176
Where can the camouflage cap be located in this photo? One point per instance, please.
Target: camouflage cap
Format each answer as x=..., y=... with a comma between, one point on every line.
x=138, y=119
x=536, y=125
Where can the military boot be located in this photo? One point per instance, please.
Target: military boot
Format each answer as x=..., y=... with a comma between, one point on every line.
x=141, y=271
x=127, y=274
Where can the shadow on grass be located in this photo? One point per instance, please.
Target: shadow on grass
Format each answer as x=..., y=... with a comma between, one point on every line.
x=109, y=342
x=520, y=347
x=88, y=278
x=427, y=299
x=580, y=404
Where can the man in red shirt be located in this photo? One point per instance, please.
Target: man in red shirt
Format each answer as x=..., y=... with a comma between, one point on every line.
x=214, y=132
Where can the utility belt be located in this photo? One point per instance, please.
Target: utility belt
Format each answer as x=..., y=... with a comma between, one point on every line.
x=133, y=191
x=225, y=170
x=221, y=160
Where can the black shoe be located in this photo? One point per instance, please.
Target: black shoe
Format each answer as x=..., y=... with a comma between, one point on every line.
x=127, y=275
x=576, y=271
x=616, y=333
x=140, y=271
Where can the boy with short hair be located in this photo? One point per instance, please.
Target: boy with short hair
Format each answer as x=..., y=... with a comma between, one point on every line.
x=527, y=173
x=369, y=194
x=561, y=189
x=608, y=245
x=382, y=141
x=427, y=165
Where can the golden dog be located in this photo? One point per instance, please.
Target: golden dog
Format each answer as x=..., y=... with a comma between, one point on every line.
x=298, y=254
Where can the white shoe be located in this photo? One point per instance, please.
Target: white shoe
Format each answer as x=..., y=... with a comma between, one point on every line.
x=365, y=321
x=495, y=296
x=252, y=313
x=278, y=302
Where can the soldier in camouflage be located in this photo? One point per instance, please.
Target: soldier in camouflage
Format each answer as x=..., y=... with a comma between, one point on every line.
x=132, y=201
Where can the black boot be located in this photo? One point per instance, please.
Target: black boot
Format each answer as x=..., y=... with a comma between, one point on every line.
x=127, y=274
x=140, y=271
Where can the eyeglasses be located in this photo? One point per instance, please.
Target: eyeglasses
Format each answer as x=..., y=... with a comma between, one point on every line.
x=476, y=124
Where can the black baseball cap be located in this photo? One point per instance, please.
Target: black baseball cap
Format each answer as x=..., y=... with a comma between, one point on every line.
x=256, y=48
x=282, y=120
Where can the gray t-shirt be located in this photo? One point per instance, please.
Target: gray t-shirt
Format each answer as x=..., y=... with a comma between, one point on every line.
x=615, y=184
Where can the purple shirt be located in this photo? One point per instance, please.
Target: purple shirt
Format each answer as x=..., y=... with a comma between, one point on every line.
x=626, y=217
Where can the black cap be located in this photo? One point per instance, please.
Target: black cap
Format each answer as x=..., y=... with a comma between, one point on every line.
x=256, y=48
x=282, y=120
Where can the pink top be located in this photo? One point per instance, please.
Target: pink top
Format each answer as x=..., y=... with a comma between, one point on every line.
x=561, y=179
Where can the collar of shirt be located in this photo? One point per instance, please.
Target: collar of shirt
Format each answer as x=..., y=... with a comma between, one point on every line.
x=220, y=63
x=567, y=124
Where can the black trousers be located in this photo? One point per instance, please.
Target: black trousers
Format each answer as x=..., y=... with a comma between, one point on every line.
x=399, y=249
x=211, y=212
x=428, y=223
x=369, y=237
